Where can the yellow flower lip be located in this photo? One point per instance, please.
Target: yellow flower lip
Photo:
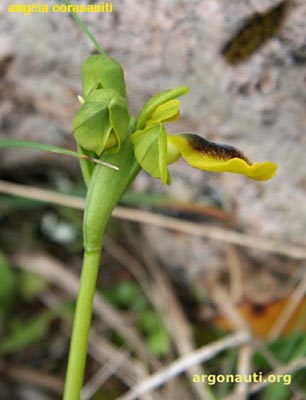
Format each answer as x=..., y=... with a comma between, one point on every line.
x=209, y=156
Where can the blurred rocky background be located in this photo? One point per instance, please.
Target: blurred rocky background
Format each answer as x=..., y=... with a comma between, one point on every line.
x=158, y=288
x=257, y=105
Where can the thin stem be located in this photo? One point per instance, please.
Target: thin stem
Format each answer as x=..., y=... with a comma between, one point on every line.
x=81, y=326
x=105, y=189
x=54, y=149
x=84, y=27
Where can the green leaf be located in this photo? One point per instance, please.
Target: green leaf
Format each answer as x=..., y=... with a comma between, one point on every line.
x=151, y=151
x=104, y=70
x=157, y=100
x=7, y=284
x=30, y=285
x=103, y=111
x=127, y=295
x=277, y=391
x=24, y=333
x=157, y=337
x=149, y=321
x=159, y=343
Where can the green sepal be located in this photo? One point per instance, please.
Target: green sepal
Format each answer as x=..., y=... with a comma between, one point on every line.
x=86, y=166
x=150, y=147
x=166, y=112
x=104, y=112
x=119, y=118
x=104, y=70
x=157, y=100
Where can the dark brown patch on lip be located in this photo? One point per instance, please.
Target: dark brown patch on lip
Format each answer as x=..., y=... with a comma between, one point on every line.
x=221, y=152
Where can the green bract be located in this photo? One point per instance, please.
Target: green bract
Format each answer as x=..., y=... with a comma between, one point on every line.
x=102, y=71
x=150, y=138
x=102, y=121
x=150, y=146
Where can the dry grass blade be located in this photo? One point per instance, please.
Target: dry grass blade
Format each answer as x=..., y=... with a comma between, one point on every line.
x=230, y=312
x=223, y=235
x=56, y=273
x=226, y=307
x=130, y=263
x=161, y=296
x=130, y=371
x=293, y=302
x=100, y=377
x=241, y=389
x=100, y=349
x=168, y=306
x=33, y=377
x=184, y=363
x=53, y=149
x=235, y=268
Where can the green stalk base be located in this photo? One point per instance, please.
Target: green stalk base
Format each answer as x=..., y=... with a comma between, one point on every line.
x=81, y=326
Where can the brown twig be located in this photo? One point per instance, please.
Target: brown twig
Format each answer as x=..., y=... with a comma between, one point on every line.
x=130, y=214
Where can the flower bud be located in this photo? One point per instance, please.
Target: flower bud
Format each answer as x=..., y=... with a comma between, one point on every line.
x=102, y=122
x=102, y=72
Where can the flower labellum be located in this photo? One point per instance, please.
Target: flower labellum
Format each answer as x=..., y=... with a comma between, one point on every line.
x=209, y=156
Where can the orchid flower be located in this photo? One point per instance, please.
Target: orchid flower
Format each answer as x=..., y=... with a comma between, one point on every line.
x=103, y=128
x=155, y=149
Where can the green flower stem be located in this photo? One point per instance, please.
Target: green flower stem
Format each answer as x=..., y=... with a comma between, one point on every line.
x=105, y=189
x=81, y=326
